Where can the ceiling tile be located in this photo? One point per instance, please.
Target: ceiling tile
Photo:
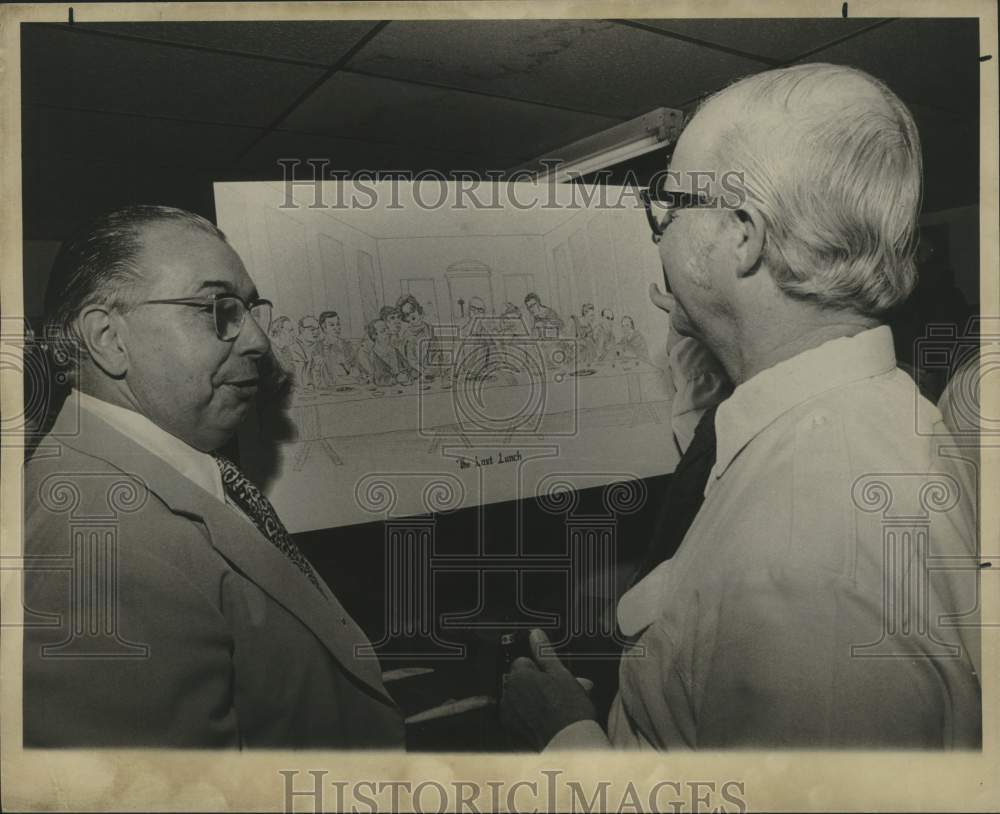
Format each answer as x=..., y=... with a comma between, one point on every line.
x=61, y=194
x=67, y=68
x=778, y=39
x=596, y=66
x=85, y=136
x=454, y=121
x=355, y=155
x=312, y=41
x=929, y=62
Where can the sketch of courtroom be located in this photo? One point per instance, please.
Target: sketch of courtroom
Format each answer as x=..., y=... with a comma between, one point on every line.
x=410, y=336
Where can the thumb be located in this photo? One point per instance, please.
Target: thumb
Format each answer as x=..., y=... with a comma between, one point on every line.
x=665, y=302
x=548, y=661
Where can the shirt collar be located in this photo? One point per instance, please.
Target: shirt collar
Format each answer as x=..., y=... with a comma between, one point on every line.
x=758, y=402
x=197, y=466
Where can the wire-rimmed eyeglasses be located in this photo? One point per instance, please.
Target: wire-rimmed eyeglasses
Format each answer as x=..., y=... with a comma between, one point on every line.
x=229, y=312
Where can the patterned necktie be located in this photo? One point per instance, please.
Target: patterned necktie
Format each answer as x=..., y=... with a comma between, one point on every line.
x=683, y=497
x=245, y=494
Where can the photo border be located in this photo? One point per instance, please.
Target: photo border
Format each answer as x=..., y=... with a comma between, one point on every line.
x=123, y=780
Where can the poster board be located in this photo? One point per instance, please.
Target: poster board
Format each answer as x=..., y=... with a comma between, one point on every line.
x=536, y=355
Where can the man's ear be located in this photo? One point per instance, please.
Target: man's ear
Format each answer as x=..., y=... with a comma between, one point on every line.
x=100, y=330
x=750, y=233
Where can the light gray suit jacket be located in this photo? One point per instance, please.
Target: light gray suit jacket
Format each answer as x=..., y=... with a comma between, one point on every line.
x=156, y=616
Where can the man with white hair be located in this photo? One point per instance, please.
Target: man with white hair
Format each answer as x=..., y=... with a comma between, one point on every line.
x=806, y=605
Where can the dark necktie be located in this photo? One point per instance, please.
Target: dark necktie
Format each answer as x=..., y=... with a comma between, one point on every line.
x=683, y=497
x=245, y=494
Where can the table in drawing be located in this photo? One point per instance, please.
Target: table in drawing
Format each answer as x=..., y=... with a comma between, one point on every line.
x=464, y=408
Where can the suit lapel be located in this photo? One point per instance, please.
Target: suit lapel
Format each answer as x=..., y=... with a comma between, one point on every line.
x=233, y=537
x=280, y=578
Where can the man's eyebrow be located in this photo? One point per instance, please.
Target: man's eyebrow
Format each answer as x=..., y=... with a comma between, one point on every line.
x=216, y=284
x=228, y=287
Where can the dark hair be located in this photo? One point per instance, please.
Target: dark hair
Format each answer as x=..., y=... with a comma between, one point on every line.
x=98, y=264
x=370, y=327
x=607, y=311
x=327, y=315
x=630, y=320
x=278, y=324
x=587, y=306
x=303, y=319
x=409, y=299
x=532, y=296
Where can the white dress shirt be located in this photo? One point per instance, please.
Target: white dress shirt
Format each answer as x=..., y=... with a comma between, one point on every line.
x=768, y=628
x=198, y=467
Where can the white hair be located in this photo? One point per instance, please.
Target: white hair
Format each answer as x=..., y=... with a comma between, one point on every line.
x=831, y=159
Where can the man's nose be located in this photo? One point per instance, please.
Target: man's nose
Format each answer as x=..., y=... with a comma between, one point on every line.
x=252, y=339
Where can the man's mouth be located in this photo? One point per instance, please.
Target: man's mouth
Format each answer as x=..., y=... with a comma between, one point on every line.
x=248, y=385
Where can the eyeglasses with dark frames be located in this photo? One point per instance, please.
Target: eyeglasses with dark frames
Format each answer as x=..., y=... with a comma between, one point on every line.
x=671, y=202
x=229, y=312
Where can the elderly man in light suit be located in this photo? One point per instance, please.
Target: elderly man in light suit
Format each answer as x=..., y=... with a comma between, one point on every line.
x=801, y=609
x=216, y=630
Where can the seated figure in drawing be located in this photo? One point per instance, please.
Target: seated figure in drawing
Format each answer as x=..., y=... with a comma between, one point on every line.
x=306, y=352
x=283, y=340
x=393, y=320
x=604, y=335
x=513, y=321
x=363, y=358
x=478, y=350
x=474, y=320
x=388, y=365
x=338, y=354
x=584, y=328
x=417, y=334
x=633, y=343
x=545, y=321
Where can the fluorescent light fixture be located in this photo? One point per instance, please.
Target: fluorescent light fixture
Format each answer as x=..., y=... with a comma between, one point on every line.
x=651, y=131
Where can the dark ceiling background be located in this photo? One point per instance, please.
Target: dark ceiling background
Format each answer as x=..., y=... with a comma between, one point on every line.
x=117, y=113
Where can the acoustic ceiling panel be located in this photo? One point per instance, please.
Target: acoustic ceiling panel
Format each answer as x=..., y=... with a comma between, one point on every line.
x=590, y=65
x=777, y=40
x=84, y=136
x=454, y=121
x=927, y=62
x=321, y=42
x=352, y=155
x=191, y=109
x=59, y=195
x=68, y=68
